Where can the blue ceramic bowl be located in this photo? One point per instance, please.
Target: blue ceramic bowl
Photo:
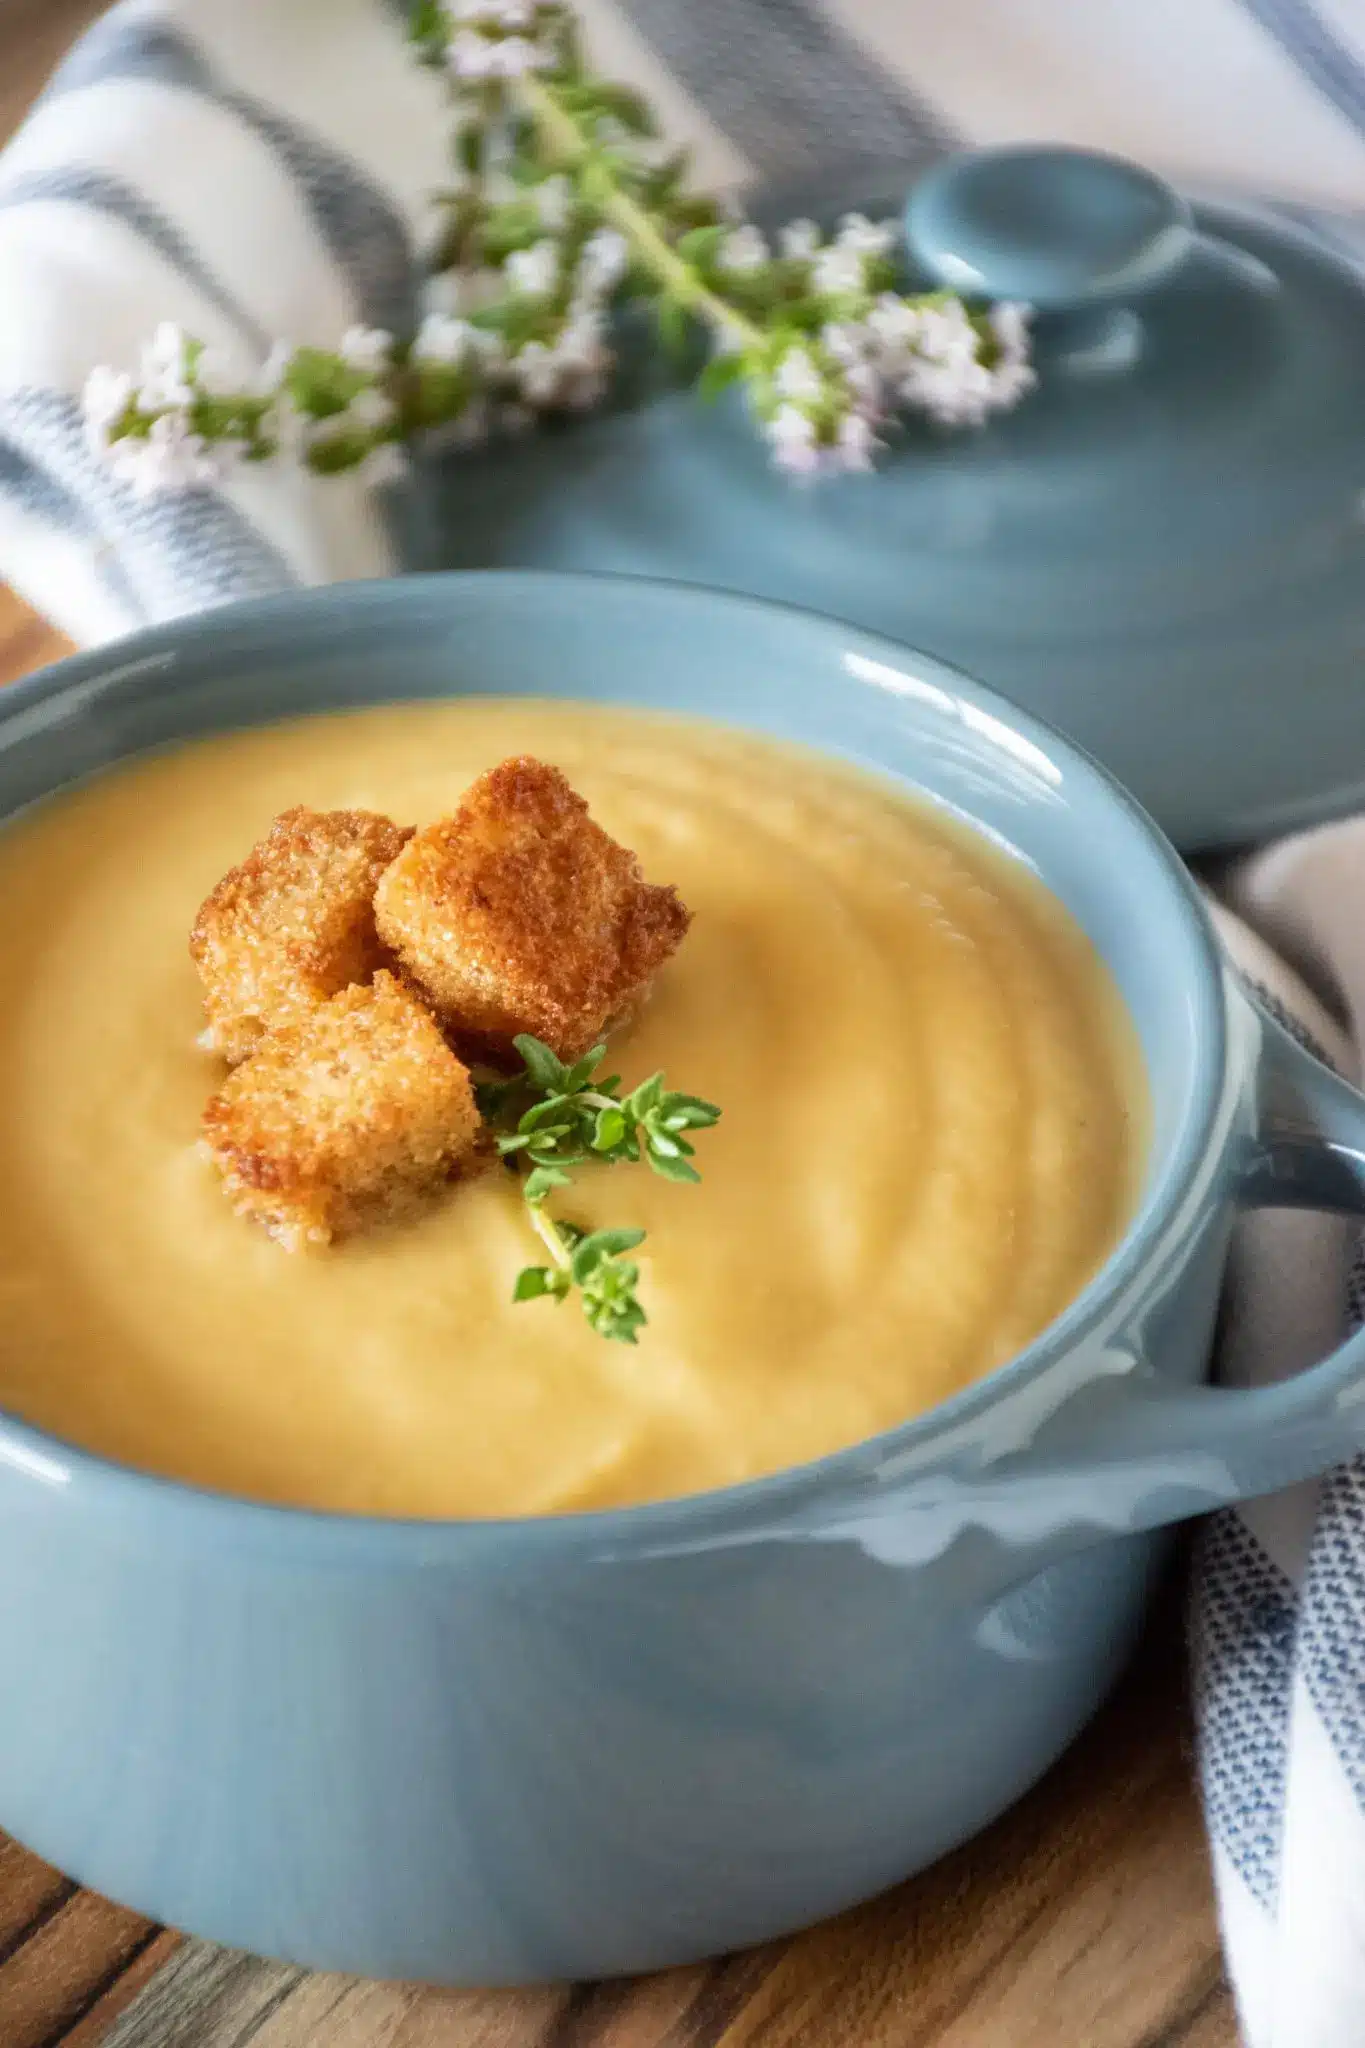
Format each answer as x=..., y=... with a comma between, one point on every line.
x=497, y=1752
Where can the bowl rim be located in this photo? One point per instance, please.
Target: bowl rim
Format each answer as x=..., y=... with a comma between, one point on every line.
x=688, y=1522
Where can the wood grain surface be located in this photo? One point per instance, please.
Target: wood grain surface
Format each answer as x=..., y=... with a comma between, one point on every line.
x=1084, y=1919
x=34, y=34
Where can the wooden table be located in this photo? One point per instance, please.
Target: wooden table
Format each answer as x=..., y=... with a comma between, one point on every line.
x=1084, y=1919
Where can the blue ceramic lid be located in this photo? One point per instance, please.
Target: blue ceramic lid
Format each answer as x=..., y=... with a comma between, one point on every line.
x=1162, y=549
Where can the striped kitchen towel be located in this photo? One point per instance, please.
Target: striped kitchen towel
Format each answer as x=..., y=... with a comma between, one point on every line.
x=256, y=169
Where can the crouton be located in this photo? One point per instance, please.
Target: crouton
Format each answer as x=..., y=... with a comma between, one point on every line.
x=520, y=914
x=293, y=924
x=352, y=1115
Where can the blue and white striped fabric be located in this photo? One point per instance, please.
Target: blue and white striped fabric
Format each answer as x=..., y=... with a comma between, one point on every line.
x=256, y=169
x=250, y=170
x=1278, y=1601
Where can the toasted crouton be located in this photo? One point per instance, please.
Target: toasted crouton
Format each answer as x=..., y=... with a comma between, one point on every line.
x=520, y=914
x=350, y=1116
x=293, y=924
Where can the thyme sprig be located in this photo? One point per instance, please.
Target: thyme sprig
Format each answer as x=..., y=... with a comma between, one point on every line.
x=819, y=335
x=554, y=1118
x=564, y=205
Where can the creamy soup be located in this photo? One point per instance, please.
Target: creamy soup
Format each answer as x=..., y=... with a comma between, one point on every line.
x=932, y=1133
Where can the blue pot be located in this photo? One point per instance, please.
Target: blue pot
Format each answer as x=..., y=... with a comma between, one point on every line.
x=504, y=1751
x=1162, y=546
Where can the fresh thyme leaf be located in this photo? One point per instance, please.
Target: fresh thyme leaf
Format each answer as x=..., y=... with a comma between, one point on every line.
x=570, y=1120
x=514, y=225
x=673, y=1169
x=534, y=1281
x=577, y=1076
x=468, y=148
x=607, y=1282
x=690, y=1112
x=614, y=1311
x=427, y=26
x=600, y=1245
x=642, y=1100
x=544, y=1069
x=621, y=103
x=702, y=245
x=322, y=385
x=610, y=1129
x=671, y=325
x=537, y=1117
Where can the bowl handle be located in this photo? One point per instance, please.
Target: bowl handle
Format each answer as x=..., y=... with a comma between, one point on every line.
x=1138, y=1452
x=1157, y=1452
x=1135, y=1452
x=1308, y=1153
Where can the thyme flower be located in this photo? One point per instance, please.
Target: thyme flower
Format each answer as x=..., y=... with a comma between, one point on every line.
x=565, y=204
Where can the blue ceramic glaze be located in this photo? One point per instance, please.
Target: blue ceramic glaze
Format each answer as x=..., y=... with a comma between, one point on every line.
x=505, y=1751
x=1162, y=550
x=1056, y=228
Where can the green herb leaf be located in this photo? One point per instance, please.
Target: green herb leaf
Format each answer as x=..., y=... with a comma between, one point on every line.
x=673, y=325
x=672, y=1168
x=542, y=1181
x=609, y=1131
x=702, y=245
x=544, y=1069
x=720, y=373
x=610, y=1302
x=534, y=1281
x=322, y=384
x=537, y=1117
x=427, y=23
x=573, y=1119
x=581, y=1073
x=644, y=1099
x=618, y=1319
x=600, y=1245
x=687, y=1113
x=619, y=103
x=514, y=225
x=688, y=210
x=467, y=148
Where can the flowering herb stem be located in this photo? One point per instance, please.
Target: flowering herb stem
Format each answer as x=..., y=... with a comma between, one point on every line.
x=561, y=209
x=631, y=217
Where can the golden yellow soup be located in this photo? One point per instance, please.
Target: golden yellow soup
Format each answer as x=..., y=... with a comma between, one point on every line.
x=931, y=1137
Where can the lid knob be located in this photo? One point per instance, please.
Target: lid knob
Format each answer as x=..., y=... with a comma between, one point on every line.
x=1061, y=229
